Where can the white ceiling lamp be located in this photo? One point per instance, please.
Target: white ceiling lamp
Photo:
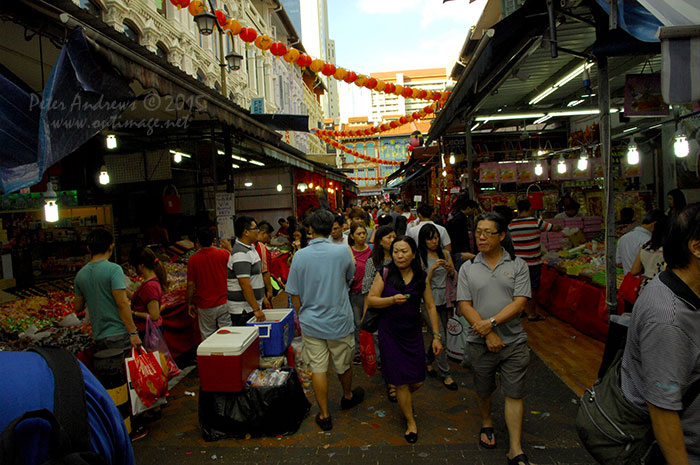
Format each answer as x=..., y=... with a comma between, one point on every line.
x=50, y=207
x=104, y=176
x=543, y=116
x=561, y=166
x=178, y=156
x=632, y=154
x=279, y=187
x=452, y=159
x=256, y=162
x=509, y=116
x=235, y=166
x=583, y=161
x=542, y=120
x=111, y=141
x=561, y=82
x=311, y=185
x=220, y=152
x=538, y=169
x=302, y=187
x=236, y=157
x=680, y=146
x=444, y=173
x=248, y=183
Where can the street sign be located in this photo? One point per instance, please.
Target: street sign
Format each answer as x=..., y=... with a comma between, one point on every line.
x=257, y=106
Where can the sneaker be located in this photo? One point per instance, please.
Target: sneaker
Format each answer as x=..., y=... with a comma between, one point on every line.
x=358, y=395
x=357, y=360
x=138, y=433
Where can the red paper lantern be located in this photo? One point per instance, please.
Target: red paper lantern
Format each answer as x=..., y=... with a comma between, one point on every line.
x=248, y=34
x=429, y=109
x=384, y=127
x=371, y=83
x=220, y=17
x=278, y=49
x=304, y=60
x=334, y=144
x=394, y=124
x=407, y=92
x=423, y=93
x=328, y=69
x=389, y=88
x=415, y=115
x=367, y=132
x=403, y=120
x=436, y=95
x=350, y=77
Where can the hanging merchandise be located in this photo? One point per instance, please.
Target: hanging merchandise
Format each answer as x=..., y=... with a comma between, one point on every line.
x=171, y=200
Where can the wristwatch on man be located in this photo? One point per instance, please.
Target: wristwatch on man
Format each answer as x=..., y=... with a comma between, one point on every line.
x=493, y=321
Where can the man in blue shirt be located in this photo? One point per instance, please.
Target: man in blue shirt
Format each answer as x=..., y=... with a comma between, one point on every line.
x=319, y=284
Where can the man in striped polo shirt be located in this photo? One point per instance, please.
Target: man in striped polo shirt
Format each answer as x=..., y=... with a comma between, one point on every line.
x=525, y=230
x=246, y=287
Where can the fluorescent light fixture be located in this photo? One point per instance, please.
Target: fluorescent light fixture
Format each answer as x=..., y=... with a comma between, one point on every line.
x=561, y=167
x=51, y=207
x=479, y=124
x=624, y=131
x=233, y=165
x=452, y=159
x=111, y=141
x=503, y=117
x=220, y=152
x=279, y=187
x=256, y=162
x=573, y=103
x=236, y=157
x=248, y=184
x=632, y=154
x=538, y=169
x=542, y=120
x=680, y=146
x=561, y=82
x=104, y=176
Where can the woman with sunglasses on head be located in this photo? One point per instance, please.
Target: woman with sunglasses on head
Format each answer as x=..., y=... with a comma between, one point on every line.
x=438, y=264
x=400, y=326
x=357, y=240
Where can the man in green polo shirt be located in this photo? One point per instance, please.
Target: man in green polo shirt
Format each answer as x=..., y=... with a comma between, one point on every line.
x=492, y=291
x=102, y=287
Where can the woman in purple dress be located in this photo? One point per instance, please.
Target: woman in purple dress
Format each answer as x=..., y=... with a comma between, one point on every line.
x=400, y=332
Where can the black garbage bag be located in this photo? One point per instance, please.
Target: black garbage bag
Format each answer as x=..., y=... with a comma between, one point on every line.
x=258, y=411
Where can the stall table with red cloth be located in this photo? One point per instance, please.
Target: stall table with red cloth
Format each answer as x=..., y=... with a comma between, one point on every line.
x=279, y=267
x=574, y=301
x=180, y=330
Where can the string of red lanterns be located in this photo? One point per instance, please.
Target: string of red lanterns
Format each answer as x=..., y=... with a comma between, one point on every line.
x=294, y=56
x=381, y=178
x=359, y=133
x=354, y=153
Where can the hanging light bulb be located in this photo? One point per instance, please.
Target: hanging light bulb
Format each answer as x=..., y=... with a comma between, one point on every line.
x=177, y=158
x=111, y=141
x=51, y=207
x=104, y=176
x=538, y=169
x=444, y=173
x=561, y=167
x=583, y=161
x=311, y=185
x=302, y=187
x=632, y=154
x=452, y=159
x=681, y=147
x=279, y=187
x=540, y=152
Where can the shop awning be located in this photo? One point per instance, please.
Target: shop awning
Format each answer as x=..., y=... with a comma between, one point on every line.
x=298, y=123
x=421, y=170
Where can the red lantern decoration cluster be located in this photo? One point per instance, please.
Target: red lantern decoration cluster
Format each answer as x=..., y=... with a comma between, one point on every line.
x=354, y=153
x=367, y=179
x=291, y=55
x=379, y=128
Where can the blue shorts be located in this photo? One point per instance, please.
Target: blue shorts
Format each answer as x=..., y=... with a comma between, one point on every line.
x=535, y=274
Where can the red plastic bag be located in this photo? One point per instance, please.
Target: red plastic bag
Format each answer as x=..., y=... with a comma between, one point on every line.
x=367, y=353
x=154, y=341
x=147, y=376
x=629, y=290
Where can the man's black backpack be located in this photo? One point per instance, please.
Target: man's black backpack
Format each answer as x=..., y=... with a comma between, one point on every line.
x=69, y=442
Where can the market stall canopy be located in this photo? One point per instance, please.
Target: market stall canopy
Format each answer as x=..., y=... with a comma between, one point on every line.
x=278, y=122
x=412, y=175
x=36, y=133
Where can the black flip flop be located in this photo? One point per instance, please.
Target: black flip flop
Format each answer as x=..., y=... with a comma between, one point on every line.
x=326, y=424
x=518, y=459
x=488, y=431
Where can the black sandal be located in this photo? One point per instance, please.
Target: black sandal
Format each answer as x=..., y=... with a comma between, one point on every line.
x=488, y=431
x=518, y=459
x=391, y=393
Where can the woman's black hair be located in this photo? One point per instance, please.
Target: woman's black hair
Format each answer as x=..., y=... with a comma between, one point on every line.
x=147, y=258
x=304, y=241
x=679, y=201
x=378, y=251
x=354, y=227
x=660, y=221
x=401, y=225
x=426, y=233
x=685, y=226
x=394, y=275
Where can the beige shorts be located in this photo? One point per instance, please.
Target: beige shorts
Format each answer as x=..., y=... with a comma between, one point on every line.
x=317, y=352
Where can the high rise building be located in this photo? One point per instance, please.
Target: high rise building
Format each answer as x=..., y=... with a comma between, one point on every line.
x=312, y=19
x=381, y=104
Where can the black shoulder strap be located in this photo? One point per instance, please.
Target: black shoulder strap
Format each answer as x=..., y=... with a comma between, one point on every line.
x=69, y=404
x=8, y=442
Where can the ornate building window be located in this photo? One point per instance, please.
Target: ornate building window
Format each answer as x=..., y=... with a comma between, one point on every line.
x=131, y=32
x=161, y=51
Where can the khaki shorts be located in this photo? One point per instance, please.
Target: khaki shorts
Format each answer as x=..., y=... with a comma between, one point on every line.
x=317, y=352
x=512, y=362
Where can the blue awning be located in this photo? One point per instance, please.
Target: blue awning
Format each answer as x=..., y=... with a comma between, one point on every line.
x=81, y=97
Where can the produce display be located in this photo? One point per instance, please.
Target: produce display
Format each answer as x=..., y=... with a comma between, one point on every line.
x=40, y=311
x=586, y=261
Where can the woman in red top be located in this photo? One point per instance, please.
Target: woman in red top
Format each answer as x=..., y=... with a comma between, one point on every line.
x=357, y=240
x=145, y=303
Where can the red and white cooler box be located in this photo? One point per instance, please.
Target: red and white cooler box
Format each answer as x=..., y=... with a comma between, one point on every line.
x=226, y=358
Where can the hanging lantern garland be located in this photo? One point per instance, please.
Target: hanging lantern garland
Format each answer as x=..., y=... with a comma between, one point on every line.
x=417, y=115
x=293, y=56
x=354, y=153
x=382, y=178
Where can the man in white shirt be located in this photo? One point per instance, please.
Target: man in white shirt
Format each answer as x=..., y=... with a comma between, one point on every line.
x=425, y=212
x=628, y=246
x=337, y=236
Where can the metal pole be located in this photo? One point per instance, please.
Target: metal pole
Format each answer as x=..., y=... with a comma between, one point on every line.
x=554, y=50
x=222, y=64
x=470, y=157
x=610, y=237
